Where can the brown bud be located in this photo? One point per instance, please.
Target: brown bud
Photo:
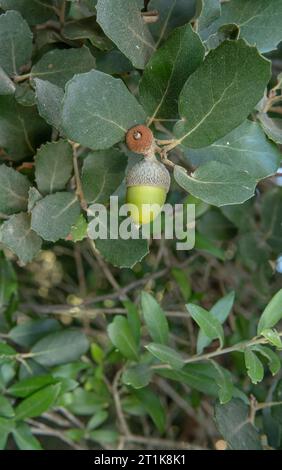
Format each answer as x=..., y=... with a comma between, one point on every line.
x=139, y=139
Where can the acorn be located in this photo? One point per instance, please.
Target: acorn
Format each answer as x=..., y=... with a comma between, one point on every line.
x=147, y=183
x=140, y=139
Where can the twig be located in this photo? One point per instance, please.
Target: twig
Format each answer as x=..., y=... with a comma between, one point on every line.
x=120, y=415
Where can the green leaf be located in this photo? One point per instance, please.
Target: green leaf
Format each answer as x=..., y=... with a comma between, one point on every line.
x=245, y=148
x=233, y=423
x=207, y=322
x=27, y=333
x=33, y=197
x=272, y=127
x=79, y=229
x=49, y=100
x=26, y=387
x=6, y=409
x=21, y=128
x=15, y=42
x=271, y=356
x=153, y=407
x=123, y=24
x=33, y=11
x=216, y=183
x=60, y=65
x=138, y=376
x=99, y=418
x=276, y=411
x=104, y=436
x=53, y=166
x=24, y=438
x=17, y=235
x=98, y=110
x=271, y=219
x=37, y=403
x=133, y=318
x=204, y=244
x=183, y=282
x=25, y=94
x=168, y=70
x=272, y=313
x=207, y=11
x=60, y=347
x=273, y=337
x=122, y=338
x=6, y=425
x=7, y=87
x=9, y=284
x=124, y=253
x=102, y=173
x=54, y=215
x=86, y=403
x=166, y=355
x=224, y=382
x=220, y=311
x=87, y=28
x=258, y=21
x=13, y=190
x=254, y=366
x=224, y=82
x=155, y=318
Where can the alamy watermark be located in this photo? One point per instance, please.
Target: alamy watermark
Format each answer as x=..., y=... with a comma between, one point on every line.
x=169, y=222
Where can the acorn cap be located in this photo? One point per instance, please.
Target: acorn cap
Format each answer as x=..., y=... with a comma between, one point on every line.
x=149, y=172
x=139, y=139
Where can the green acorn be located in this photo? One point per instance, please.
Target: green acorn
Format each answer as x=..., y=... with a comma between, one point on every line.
x=147, y=184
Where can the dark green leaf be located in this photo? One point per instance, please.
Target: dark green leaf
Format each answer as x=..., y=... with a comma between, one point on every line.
x=166, y=355
x=37, y=403
x=6, y=409
x=123, y=24
x=254, y=366
x=26, y=387
x=53, y=166
x=138, y=376
x=272, y=357
x=7, y=87
x=86, y=403
x=13, y=190
x=54, y=215
x=245, y=148
x=276, y=411
x=272, y=127
x=234, y=425
x=272, y=337
x=216, y=183
x=272, y=313
x=155, y=318
x=271, y=219
x=153, y=407
x=60, y=65
x=122, y=338
x=258, y=21
x=33, y=11
x=168, y=70
x=24, y=438
x=220, y=310
x=99, y=418
x=60, y=347
x=87, y=28
x=207, y=322
x=15, y=42
x=49, y=99
x=133, y=318
x=102, y=173
x=182, y=281
x=98, y=110
x=21, y=128
x=17, y=235
x=223, y=82
x=27, y=333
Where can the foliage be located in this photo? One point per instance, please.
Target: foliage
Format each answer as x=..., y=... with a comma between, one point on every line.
x=105, y=343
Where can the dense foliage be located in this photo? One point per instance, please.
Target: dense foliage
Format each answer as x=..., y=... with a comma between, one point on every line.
x=121, y=344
